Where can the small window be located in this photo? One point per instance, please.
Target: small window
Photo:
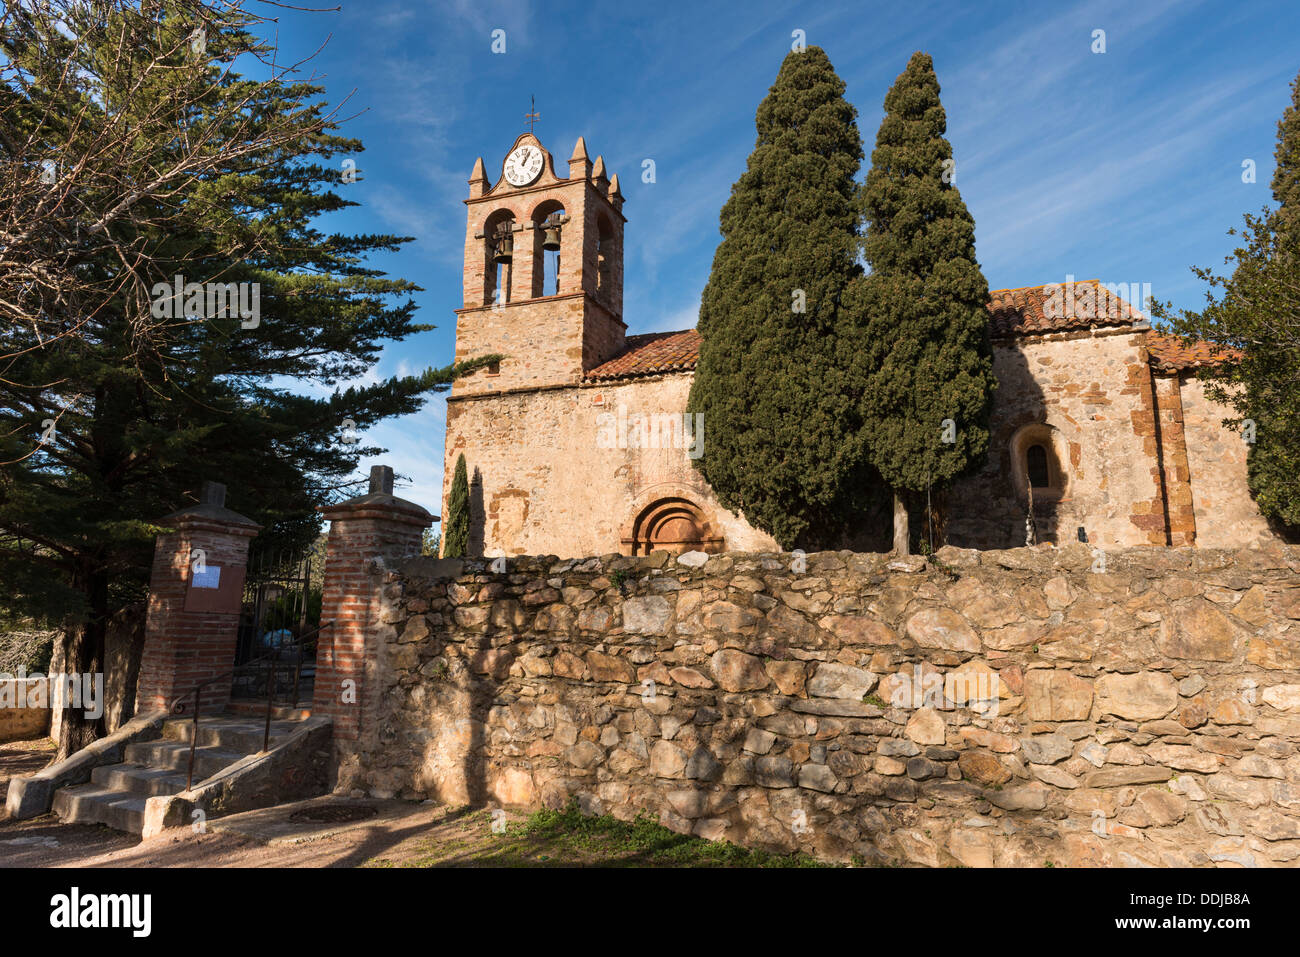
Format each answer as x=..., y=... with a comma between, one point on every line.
x=1036, y=466
x=493, y=368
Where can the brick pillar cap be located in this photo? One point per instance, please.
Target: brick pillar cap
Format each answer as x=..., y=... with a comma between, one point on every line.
x=211, y=507
x=381, y=501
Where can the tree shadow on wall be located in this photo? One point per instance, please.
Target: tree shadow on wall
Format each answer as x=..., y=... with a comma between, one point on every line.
x=488, y=671
x=482, y=693
x=988, y=507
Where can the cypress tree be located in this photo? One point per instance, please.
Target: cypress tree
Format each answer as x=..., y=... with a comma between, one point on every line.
x=455, y=534
x=924, y=304
x=1254, y=313
x=774, y=381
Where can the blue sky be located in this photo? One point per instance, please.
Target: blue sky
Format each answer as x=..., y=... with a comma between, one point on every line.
x=1124, y=165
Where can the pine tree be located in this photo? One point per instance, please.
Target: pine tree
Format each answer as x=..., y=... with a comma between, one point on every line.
x=775, y=378
x=455, y=536
x=925, y=305
x=113, y=406
x=1254, y=316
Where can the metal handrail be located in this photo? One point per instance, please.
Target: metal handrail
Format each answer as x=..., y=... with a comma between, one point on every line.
x=269, y=659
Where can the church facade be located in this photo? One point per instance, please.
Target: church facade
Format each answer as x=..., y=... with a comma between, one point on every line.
x=577, y=443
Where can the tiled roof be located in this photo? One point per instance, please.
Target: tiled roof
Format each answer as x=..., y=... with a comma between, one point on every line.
x=1171, y=354
x=650, y=354
x=1031, y=310
x=1057, y=307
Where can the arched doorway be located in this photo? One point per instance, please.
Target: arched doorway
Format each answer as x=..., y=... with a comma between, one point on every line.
x=674, y=525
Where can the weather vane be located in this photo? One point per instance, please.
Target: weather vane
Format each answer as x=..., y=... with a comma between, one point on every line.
x=532, y=116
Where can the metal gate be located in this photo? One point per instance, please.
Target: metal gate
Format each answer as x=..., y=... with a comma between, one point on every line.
x=278, y=623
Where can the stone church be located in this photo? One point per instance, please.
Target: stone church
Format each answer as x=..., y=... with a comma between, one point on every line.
x=577, y=444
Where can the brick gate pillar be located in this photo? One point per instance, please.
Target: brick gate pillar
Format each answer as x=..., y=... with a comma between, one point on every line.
x=364, y=532
x=195, y=592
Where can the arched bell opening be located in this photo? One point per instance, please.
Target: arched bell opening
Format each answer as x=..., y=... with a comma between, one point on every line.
x=674, y=525
x=549, y=219
x=498, y=257
x=605, y=254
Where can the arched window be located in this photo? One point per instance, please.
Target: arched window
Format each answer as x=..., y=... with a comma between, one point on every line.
x=674, y=525
x=1036, y=463
x=1036, y=466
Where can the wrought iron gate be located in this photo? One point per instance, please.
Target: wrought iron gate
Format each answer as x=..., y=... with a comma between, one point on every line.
x=278, y=622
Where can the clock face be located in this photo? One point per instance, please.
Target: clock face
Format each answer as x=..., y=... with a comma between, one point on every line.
x=523, y=165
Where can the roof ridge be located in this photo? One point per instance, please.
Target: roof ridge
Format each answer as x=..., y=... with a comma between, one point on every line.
x=1044, y=285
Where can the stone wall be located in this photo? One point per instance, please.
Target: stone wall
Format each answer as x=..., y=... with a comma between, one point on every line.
x=24, y=708
x=1147, y=700
x=547, y=471
x=1093, y=391
x=1226, y=514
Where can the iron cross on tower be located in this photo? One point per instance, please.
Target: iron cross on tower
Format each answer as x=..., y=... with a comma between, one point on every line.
x=532, y=116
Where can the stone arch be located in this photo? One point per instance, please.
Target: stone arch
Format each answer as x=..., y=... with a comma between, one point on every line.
x=671, y=522
x=544, y=284
x=494, y=275
x=1036, y=455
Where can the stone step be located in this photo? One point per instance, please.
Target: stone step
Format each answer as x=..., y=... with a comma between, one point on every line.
x=257, y=709
x=236, y=733
x=139, y=779
x=116, y=793
x=94, y=804
x=174, y=756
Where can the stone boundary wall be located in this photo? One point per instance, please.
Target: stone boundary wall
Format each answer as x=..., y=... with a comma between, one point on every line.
x=19, y=720
x=1147, y=710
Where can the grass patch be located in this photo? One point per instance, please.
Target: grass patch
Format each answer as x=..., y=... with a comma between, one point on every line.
x=568, y=838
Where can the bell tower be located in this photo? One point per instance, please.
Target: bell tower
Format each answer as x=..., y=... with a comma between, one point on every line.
x=543, y=279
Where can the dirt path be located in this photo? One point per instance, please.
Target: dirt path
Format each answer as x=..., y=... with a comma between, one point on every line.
x=45, y=842
x=343, y=832
x=18, y=758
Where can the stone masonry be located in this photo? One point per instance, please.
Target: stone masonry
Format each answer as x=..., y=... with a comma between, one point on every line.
x=1146, y=710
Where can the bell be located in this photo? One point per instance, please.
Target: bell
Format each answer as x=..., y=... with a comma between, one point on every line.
x=505, y=249
x=551, y=239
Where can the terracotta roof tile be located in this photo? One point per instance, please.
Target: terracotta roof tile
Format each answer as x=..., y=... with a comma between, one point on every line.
x=1171, y=354
x=650, y=354
x=1057, y=307
x=1030, y=310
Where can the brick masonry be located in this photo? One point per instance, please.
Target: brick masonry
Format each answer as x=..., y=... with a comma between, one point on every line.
x=190, y=633
x=365, y=532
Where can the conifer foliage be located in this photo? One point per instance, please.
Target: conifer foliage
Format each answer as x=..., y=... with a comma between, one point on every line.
x=455, y=540
x=133, y=152
x=774, y=380
x=930, y=380
x=1255, y=315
